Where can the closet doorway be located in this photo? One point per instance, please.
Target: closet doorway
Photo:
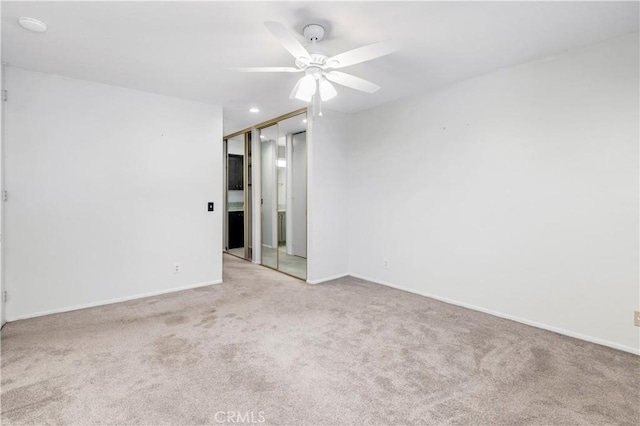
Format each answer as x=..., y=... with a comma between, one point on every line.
x=237, y=151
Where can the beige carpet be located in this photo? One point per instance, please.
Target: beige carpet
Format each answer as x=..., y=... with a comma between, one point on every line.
x=270, y=346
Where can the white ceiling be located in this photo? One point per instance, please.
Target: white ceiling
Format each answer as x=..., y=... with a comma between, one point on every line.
x=183, y=48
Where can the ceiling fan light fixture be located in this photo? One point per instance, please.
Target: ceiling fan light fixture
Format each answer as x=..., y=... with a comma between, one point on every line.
x=318, y=65
x=305, y=88
x=294, y=91
x=326, y=89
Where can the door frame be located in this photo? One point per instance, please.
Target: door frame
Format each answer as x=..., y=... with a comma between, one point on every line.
x=245, y=188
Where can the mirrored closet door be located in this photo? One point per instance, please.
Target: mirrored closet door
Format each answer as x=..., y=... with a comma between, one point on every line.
x=284, y=195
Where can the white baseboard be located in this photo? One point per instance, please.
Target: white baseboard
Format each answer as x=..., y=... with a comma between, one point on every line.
x=324, y=280
x=635, y=351
x=110, y=301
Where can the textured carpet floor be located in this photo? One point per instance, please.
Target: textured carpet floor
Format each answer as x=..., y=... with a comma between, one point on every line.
x=271, y=347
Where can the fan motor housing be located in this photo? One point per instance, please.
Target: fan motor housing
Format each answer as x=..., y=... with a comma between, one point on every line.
x=316, y=60
x=315, y=71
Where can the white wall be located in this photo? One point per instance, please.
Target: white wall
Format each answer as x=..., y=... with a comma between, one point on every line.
x=327, y=240
x=108, y=188
x=515, y=193
x=236, y=145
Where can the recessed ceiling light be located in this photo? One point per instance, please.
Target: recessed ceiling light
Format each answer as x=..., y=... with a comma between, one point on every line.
x=262, y=136
x=304, y=121
x=254, y=110
x=32, y=24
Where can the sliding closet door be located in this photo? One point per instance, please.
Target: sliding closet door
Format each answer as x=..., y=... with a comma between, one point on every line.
x=292, y=196
x=284, y=195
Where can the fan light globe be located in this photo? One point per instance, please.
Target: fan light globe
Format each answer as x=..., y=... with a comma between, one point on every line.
x=326, y=89
x=306, y=88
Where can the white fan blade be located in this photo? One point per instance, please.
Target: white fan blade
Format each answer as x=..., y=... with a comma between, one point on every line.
x=362, y=54
x=266, y=69
x=287, y=39
x=352, y=81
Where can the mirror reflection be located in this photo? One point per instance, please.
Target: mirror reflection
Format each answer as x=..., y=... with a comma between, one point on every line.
x=292, y=196
x=284, y=196
x=236, y=196
x=268, y=142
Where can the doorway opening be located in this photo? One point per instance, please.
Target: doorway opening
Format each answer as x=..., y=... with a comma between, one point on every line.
x=238, y=209
x=277, y=236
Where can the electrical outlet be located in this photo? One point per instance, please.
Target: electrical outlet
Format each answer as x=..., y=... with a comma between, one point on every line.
x=385, y=263
x=177, y=268
x=636, y=318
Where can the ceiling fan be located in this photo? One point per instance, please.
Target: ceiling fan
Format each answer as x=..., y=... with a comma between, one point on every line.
x=319, y=69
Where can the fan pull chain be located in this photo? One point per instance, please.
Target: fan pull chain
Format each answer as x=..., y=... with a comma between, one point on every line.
x=316, y=105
